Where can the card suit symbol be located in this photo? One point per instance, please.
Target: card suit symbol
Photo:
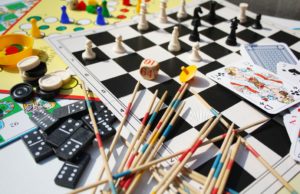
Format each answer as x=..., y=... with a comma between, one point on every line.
x=295, y=92
x=294, y=71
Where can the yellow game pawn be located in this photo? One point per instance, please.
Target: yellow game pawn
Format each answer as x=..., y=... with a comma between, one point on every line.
x=92, y=2
x=138, y=6
x=35, y=31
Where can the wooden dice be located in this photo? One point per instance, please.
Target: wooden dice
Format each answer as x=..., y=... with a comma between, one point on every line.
x=149, y=69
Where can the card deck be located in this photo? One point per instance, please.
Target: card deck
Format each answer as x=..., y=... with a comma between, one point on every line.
x=63, y=132
x=37, y=146
x=70, y=109
x=104, y=120
x=75, y=144
x=44, y=120
x=258, y=86
x=70, y=173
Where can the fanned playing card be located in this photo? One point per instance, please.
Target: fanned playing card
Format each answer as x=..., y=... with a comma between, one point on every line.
x=289, y=72
x=257, y=85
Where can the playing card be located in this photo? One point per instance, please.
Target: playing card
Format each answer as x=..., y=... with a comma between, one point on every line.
x=257, y=85
x=291, y=123
x=289, y=72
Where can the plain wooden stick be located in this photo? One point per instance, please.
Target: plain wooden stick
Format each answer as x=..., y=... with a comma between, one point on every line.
x=99, y=140
x=197, y=177
x=138, y=133
x=90, y=186
x=229, y=166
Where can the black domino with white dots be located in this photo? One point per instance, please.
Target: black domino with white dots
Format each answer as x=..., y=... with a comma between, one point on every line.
x=37, y=145
x=63, y=132
x=44, y=120
x=70, y=173
x=70, y=109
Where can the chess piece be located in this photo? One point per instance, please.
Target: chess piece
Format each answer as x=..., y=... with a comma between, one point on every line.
x=64, y=19
x=100, y=19
x=181, y=14
x=35, y=31
x=196, y=16
x=88, y=54
x=72, y=5
x=231, y=40
x=212, y=11
x=243, y=17
x=174, y=45
x=257, y=24
x=195, y=56
x=195, y=36
x=143, y=23
x=105, y=11
x=144, y=6
x=163, y=15
x=149, y=69
x=118, y=47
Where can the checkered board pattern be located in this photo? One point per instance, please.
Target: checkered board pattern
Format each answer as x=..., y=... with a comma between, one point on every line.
x=113, y=76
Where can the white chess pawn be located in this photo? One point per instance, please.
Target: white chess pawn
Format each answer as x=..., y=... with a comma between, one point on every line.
x=174, y=44
x=88, y=54
x=118, y=47
x=143, y=23
x=195, y=56
x=243, y=17
x=182, y=12
x=163, y=15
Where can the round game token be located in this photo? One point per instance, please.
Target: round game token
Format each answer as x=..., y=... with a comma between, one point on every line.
x=38, y=71
x=46, y=95
x=64, y=75
x=21, y=92
x=11, y=50
x=50, y=82
x=28, y=63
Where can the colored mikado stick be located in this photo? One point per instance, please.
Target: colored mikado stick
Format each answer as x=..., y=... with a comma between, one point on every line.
x=268, y=166
x=146, y=131
x=117, y=135
x=229, y=166
x=253, y=151
x=221, y=162
x=219, y=179
x=134, y=160
x=146, y=149
x=176, y=168
x=99, y=140
x=138, y=133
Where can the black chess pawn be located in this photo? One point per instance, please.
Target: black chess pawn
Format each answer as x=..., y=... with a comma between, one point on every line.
x=195, y=36
x=196, y=16
x=257, y=24
x=212, y=11
x=231, y=39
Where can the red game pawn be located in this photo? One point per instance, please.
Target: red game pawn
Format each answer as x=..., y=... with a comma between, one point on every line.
x=11, y=50
x=126, y=2
x=81, y=6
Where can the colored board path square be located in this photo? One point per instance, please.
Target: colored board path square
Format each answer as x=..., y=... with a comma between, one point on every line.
x=16, y=6
x=8, y=107
x=2, y=28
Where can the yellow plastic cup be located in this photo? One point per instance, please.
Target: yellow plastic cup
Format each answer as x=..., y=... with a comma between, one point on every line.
x=9, y=39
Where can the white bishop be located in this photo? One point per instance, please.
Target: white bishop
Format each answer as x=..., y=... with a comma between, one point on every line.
x=174, y=44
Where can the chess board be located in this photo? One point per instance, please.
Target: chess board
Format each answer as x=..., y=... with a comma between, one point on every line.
x=113, y=76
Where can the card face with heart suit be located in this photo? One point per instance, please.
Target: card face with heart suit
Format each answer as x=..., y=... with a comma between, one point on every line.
x=258, y=85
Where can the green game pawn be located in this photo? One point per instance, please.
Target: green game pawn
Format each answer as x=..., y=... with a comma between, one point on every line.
x=91, y=9
x=105, y=11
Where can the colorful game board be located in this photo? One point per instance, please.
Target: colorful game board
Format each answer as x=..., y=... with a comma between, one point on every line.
x=113, y=76
x=14, y=120
x=49, y=23
x=11, y=10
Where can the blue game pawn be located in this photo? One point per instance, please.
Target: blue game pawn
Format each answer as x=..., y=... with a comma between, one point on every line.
x=100, y=19
x=64, y=19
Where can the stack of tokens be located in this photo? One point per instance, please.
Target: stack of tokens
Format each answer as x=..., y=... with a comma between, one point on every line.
x=50, y=84
x=31, y=69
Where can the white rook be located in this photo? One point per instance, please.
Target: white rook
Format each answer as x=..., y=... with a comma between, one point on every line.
x=243, y=9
